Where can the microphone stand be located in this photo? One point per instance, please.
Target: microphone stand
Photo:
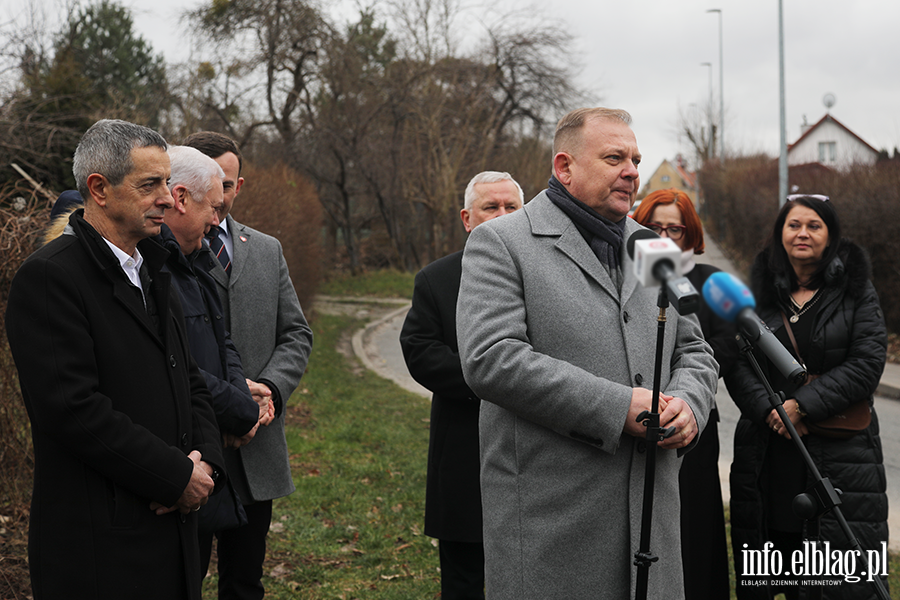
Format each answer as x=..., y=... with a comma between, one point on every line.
x=822, y=496
x=643, y=558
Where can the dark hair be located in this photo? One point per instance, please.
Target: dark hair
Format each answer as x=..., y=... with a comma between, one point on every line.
x=215, y=145
x=693, y=229
x=777, y=258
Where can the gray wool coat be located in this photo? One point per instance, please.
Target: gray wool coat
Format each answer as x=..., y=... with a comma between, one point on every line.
x=553, y=350
x=274, y=340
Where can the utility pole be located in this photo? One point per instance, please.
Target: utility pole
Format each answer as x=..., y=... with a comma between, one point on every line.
x=721, y=88
x=712, y=130
x=782, y=157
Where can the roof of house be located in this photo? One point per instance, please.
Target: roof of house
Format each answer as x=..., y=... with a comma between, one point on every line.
x=689, y=178
x=828, y=117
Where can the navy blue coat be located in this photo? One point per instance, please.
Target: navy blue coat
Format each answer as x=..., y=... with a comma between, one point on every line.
x=211, y=346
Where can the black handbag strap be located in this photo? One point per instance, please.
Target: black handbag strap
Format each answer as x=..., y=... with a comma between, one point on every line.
x=790, y=332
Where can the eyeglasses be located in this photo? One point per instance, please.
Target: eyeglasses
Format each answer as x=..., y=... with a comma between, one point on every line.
x=793, y=197
x=673, y=231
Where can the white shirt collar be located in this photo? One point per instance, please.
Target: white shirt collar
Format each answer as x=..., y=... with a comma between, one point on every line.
x=130, y=264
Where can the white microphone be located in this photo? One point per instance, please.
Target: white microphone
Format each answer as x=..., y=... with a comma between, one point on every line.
x=657, y=261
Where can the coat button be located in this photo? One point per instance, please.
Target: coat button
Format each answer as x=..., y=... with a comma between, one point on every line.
x=641, y=446
x=172, y=360
x=638, y=379
x=206, y=318
x=625, y=316
x=184, y=439
x=183, y=517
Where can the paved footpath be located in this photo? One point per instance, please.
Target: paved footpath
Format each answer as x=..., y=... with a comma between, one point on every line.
x=378, y=347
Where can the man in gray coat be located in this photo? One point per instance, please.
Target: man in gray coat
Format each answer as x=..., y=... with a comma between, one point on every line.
x=557, y=337
x=268, y=327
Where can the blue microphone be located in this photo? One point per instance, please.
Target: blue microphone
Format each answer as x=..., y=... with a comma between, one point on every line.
x=730, y=299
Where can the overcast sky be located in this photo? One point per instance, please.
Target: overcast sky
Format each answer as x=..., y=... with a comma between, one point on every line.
x=646, y=57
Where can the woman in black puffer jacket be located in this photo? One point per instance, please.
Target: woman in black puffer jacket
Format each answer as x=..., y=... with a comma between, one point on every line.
x=809, y=277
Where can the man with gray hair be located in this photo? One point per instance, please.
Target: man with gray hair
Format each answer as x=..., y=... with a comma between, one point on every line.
x=490, y=194
x=126, y=447
x=428, y=339
x=275, y=342
x=557, y=338
x=196, y=186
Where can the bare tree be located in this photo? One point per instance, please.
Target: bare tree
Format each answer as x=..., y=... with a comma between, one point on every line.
x=698, y=126
x=389, y=125
x=270, y=50
x=428, y=26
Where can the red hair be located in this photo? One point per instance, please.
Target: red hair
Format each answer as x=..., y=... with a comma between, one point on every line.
x=693, y=233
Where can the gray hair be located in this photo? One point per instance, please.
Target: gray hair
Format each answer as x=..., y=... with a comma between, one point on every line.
x=489, y=177
x=106, y=148
x=194, y=170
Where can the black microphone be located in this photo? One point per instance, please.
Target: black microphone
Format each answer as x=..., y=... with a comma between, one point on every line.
x=729, y=298
x=654, y=263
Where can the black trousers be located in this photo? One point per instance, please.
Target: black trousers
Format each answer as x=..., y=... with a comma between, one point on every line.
x=704, y=551
x=241, y=553
x=462, y=570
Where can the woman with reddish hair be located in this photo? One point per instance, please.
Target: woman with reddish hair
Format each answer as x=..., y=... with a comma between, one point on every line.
x=670, y=213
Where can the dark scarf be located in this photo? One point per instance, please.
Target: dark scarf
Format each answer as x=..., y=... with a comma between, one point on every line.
x=604, y=237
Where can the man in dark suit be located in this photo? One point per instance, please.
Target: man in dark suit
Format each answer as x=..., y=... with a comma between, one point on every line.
x=428, y=339
x=196, y=186
x=267, y=325
x=125, y=441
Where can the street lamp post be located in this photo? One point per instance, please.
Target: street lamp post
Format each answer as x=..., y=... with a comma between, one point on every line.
x=782, y=155
x=721, y=88
x=712, y=135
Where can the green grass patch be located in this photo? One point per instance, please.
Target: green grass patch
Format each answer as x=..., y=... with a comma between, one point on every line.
x=384, y=283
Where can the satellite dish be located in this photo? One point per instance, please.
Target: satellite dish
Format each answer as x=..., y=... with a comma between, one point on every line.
x=829, y=100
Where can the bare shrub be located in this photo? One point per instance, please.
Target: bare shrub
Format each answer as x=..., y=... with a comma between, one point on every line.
x=740, y=204
x=23, y=217
x=282, y=203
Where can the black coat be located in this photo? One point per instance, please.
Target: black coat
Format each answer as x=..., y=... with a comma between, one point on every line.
x=211, y=346
x=718, y=333
x=704, y=549
x=116, y=403
x=847, y=351
x=428, y=339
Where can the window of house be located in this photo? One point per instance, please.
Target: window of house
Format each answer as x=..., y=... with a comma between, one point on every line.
x=666, y=178
x=827, y=152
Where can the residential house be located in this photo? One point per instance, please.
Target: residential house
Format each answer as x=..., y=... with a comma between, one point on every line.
x=672, y=175
x=830, y=143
